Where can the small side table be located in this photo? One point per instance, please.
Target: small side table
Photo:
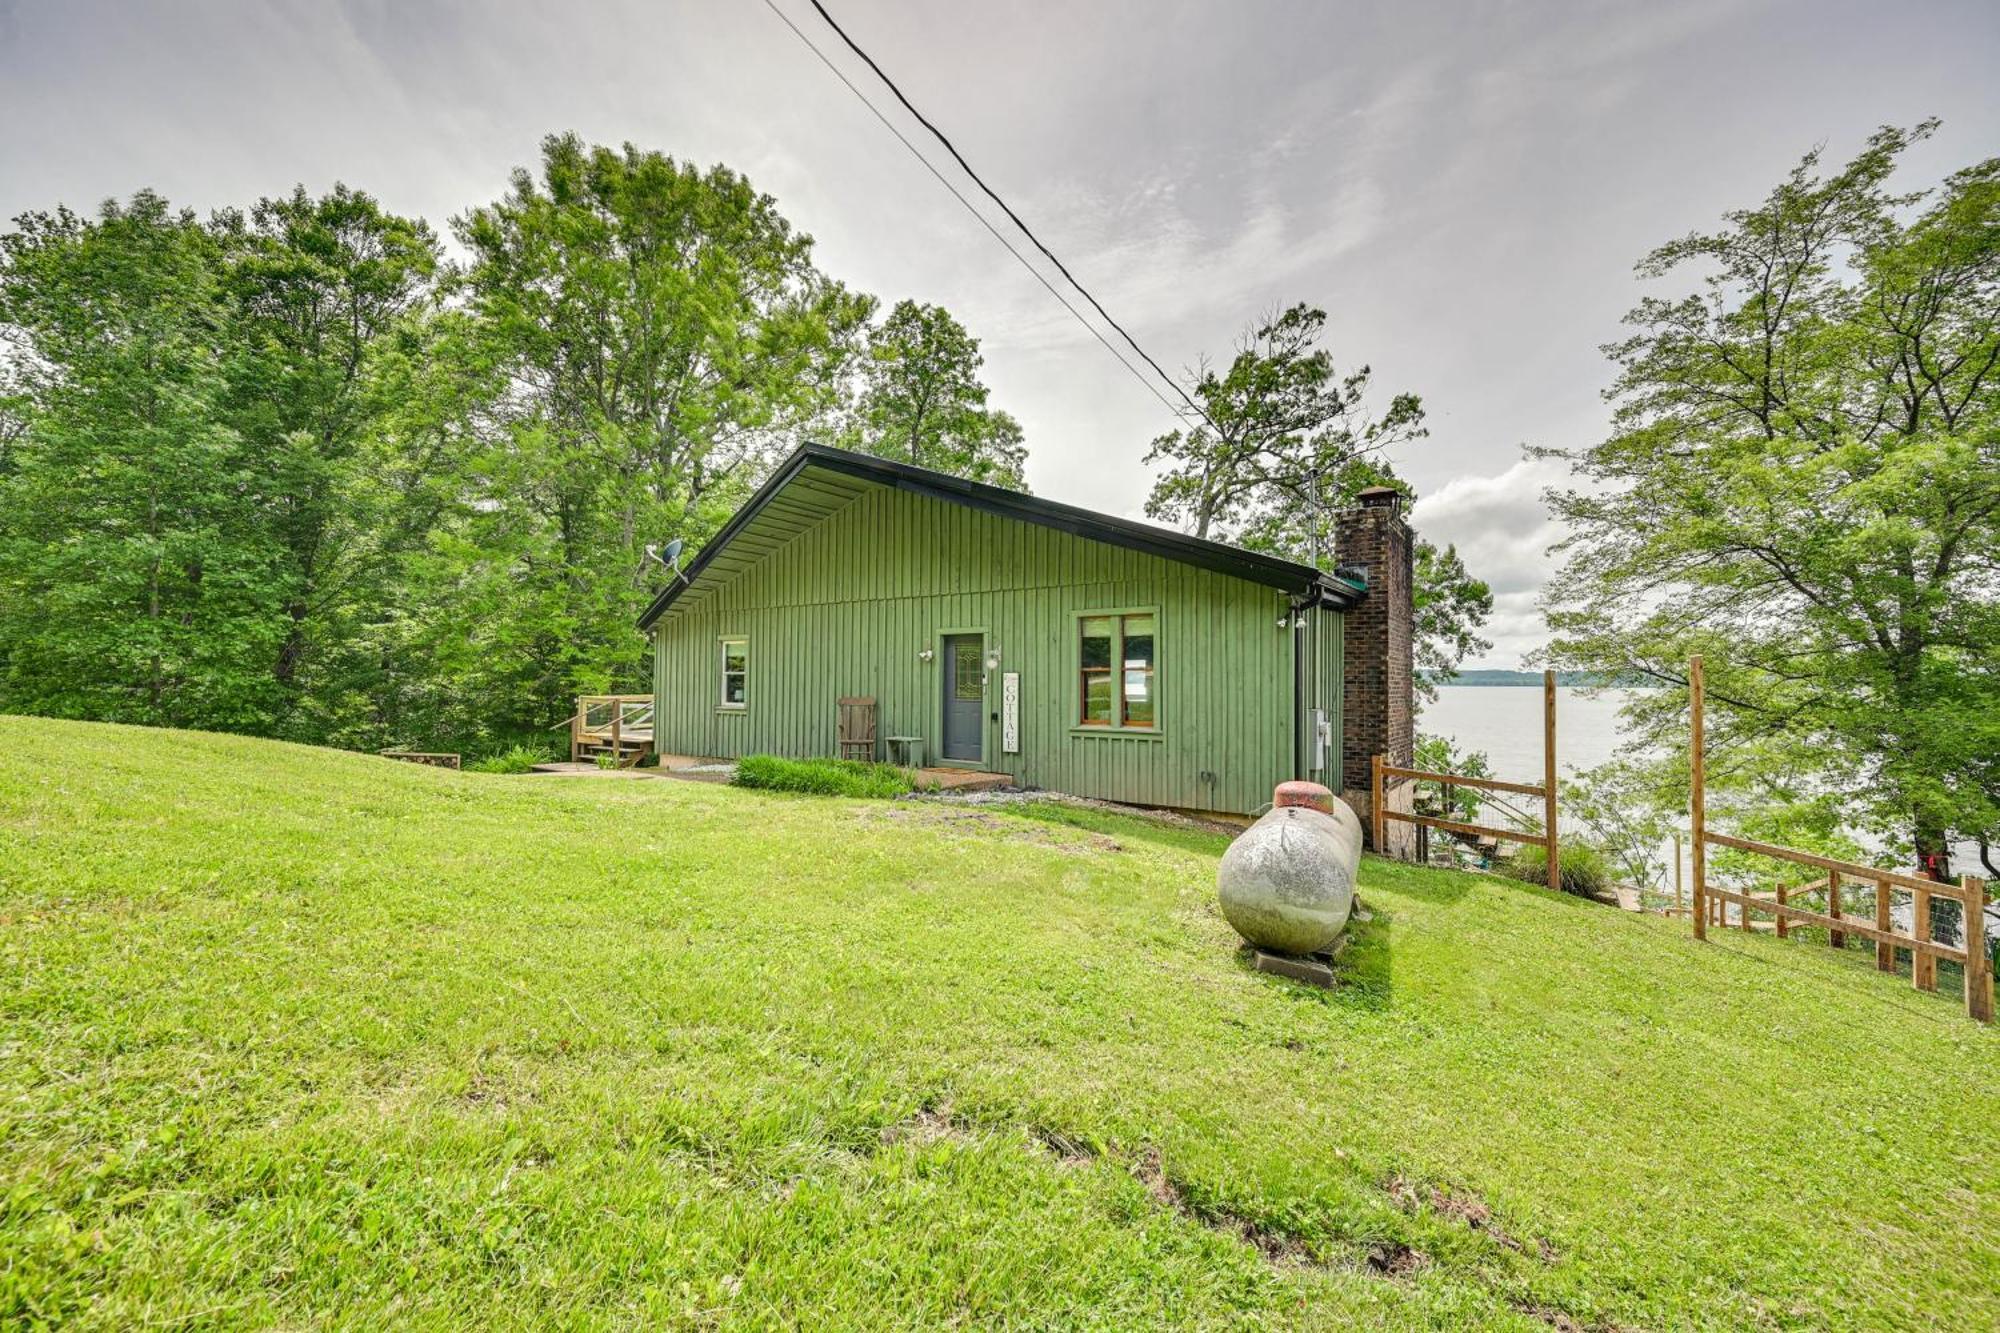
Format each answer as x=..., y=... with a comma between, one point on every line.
x=910, y=747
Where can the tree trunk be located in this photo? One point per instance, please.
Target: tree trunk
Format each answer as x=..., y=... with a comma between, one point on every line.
x=1933, y=848
x=294, y=647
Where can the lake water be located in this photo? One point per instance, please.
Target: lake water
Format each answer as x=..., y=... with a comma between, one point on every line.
x=1506, y=722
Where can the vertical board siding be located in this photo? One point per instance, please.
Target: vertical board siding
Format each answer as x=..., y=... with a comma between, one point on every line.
x=846, y=606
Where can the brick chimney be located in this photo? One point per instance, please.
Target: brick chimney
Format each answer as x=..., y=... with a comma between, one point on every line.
x=1378, y=708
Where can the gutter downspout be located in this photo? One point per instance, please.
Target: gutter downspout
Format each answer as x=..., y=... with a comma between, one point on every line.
x=1298, y=697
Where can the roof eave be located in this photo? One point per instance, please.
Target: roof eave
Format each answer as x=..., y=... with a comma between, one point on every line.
x=1287, y=576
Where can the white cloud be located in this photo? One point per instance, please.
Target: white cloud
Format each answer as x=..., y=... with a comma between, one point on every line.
x=1503, y=532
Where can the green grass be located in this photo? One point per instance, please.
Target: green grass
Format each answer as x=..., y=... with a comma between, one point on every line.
x=820, y=777
x=515, y=759
x=291, y=1037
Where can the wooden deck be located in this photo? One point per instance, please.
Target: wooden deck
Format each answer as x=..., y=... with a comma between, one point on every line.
x=618, y=725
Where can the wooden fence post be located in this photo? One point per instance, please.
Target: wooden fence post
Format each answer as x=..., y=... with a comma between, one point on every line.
x=1978, y=965
x=1923, y=966
x=1885, y=952
x=1549, y=777
x=1783, y=890
x=1696, y=798
x=577, y=723
x=1680, y=890
x=1376, y=822
x=1835, y=938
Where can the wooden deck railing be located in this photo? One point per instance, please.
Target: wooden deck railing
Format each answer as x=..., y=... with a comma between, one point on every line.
x=1923, y=950
x=1547, y=839
x=617, y=720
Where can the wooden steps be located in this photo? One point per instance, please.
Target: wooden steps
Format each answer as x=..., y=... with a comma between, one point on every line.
x=616, y=725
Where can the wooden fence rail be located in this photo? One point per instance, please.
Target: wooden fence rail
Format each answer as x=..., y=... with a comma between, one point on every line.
x=1381, y=770
x=1923, y=950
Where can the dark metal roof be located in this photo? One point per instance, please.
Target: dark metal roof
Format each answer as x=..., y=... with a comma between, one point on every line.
x=816, y=480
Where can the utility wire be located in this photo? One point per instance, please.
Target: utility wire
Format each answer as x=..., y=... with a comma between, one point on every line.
x=983, y=219
x=1014, y=217
x=862, y=97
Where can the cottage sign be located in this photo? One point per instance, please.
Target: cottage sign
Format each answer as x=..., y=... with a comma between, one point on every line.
x=1010, y=712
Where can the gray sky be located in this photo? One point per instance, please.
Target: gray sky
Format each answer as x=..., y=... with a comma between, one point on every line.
x=1463, y=187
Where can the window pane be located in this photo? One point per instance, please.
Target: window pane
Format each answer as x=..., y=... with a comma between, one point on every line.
x=1138, y=698
x=1096, y=642
x=1138, y=641
x=965, y=677
x=734, y=654
x=732, y=687
x=1097, y=698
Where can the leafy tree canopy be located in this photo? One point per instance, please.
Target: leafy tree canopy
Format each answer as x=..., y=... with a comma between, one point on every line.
x=1287, y=442
x=661, y=334
x=1802, y=483
x=922, y=400
x=136, y=576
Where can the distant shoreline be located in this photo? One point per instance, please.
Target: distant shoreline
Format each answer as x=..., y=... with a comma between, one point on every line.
x=1574, y=679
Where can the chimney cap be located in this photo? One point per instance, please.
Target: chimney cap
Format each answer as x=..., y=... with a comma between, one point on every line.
x=1381, y=497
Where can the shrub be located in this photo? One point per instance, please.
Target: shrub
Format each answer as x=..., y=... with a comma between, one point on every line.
x=821, y=777
x=518, y=759
x=1584, y=871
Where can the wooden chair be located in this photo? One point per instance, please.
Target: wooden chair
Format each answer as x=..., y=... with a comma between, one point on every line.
x=855, y=729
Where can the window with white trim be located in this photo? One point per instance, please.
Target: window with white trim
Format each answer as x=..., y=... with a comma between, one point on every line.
x=735, y=673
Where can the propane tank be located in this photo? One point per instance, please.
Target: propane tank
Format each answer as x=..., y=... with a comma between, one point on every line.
x=1287, y=882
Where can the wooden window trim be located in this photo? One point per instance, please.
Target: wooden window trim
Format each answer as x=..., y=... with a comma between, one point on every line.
x=1081, y=675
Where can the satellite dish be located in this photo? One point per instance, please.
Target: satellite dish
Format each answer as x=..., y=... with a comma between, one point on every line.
x=669, y=555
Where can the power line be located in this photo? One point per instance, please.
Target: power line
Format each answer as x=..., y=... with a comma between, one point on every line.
x=889, y=125
x=1014, y=217
x=1022, y=259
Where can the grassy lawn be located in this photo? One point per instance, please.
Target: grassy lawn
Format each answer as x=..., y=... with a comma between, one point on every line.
x=297, y=1037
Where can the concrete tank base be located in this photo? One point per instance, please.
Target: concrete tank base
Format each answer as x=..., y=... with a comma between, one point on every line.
x=1315, y=970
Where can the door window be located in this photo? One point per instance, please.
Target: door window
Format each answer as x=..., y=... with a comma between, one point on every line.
x=966, y=682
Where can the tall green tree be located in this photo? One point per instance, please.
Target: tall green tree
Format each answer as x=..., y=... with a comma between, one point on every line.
x=922, y=400
x=320, y=291
x=137, y=579
x=1287, y=443
x=1802, y=483
x=1281, y=428
x=662, y=333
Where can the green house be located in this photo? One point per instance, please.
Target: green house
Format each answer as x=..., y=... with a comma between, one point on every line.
x=1071, y=650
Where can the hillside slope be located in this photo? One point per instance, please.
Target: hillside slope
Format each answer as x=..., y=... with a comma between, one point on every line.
x=292, y=1036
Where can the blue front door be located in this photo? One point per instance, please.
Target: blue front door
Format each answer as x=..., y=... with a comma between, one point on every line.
x=964, y=698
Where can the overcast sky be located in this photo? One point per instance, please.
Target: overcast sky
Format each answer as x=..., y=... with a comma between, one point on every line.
x=1463, y=187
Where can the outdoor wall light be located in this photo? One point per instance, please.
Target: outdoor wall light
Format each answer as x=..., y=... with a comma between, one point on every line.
x=993, y=660
x=925, y=655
